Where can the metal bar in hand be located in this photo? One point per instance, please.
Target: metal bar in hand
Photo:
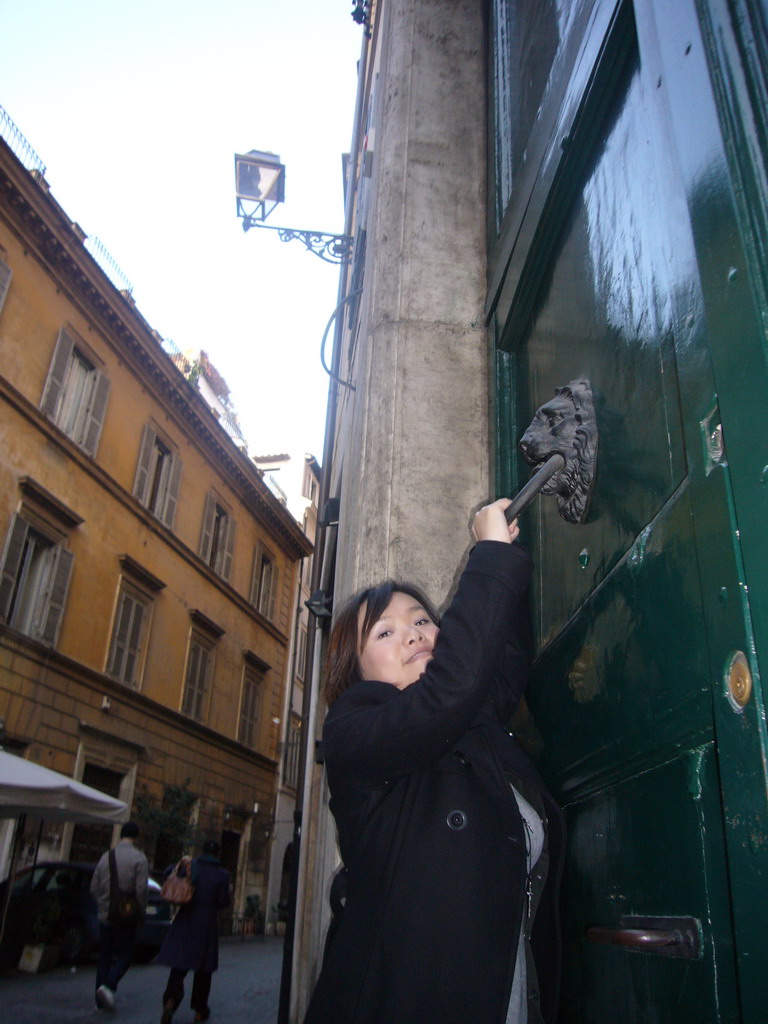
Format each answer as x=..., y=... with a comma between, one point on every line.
x=554, y=464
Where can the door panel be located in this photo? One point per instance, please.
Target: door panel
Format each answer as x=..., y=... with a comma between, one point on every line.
x=639, y=610
x=608, y=881
x=627, y=691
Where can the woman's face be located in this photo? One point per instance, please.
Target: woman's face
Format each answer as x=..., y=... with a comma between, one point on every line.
x=399, y=644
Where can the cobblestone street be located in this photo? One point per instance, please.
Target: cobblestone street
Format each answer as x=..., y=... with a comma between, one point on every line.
x=245, y=989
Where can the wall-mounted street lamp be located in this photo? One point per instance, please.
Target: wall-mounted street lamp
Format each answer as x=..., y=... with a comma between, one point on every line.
x=260, y=186
x=320, y=605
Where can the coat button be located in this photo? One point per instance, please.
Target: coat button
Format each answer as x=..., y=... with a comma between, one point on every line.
x=457, y=820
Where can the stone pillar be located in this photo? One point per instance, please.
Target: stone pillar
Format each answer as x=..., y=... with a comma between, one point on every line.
x=415, y=440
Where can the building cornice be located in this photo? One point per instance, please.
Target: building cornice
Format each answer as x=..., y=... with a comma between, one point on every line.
x=41, y=223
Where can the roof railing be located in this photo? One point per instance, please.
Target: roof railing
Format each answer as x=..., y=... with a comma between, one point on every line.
x=19, y=145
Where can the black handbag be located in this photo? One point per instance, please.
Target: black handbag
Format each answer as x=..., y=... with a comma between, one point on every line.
x=124, y=907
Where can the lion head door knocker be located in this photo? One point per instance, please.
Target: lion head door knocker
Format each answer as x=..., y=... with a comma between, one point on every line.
x=561, y=445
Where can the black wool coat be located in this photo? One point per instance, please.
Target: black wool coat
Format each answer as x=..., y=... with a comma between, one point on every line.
x=429, y=831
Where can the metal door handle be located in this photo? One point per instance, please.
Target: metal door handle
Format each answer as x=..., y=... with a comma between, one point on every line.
x=665, y=936
x=554, y=464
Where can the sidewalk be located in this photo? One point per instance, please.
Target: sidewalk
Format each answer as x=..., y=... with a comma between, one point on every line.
x=245, y=989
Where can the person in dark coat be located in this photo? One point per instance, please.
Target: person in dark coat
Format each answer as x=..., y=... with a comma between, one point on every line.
x=451, y=845
x=192, y=942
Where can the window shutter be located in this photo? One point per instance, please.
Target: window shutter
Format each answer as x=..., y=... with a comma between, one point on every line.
x=120, y=635
x=206, y=684
x=53, y=606
x=94, y=419
x=141, y=483
x=256, y=576
x=249, y=708
x=270, y=588
x=190, y=687
x=5, y=279
x=227, y=547
x=172, y=493
x=199, y=674
x=14, y=549
x=57, y=372
x=206, y=534
x=134, y=644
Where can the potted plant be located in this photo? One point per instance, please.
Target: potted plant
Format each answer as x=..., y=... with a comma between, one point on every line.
x=41, y=953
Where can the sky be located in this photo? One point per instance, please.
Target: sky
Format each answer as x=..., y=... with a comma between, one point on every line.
x=137, y=110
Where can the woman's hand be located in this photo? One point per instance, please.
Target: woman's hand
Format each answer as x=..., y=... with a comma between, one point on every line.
x=490, y=523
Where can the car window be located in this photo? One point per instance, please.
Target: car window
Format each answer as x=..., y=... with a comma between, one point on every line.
x=41, y=879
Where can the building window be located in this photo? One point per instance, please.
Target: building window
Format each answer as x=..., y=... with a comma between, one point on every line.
x=301, y=653
x=34, y=580
x=291, y=758
x=309, y=484
x=5, y=281
x=158, y=475
x=135, y=603
x=264, y=583
x=197, y=683
x=129, y=635
x=76, y=392
x=306, y=572
x=248, y=728
x=217, y=538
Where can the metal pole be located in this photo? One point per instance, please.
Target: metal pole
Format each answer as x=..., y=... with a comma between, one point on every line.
x=554, y=464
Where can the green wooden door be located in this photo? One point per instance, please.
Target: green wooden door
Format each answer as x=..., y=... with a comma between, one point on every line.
x=621, y=259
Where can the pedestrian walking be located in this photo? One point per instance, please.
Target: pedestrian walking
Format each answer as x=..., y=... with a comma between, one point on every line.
x=119, y=885
x=192, y=942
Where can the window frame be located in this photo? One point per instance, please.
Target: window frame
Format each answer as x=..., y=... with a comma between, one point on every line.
x=88, y=411
x=265, y=603
x=6, y=274
x=301, y=651
x=158, y=475
x=249, y=715
x=33, y=598
x=217, y=536
x=292, y=752
x=195, y=699
x=136, y=642
x=310, y=487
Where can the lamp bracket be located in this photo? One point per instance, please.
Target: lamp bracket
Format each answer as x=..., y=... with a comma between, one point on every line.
x=331, y=248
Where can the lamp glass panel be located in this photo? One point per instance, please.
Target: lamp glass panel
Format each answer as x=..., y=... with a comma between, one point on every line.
x=257, y=181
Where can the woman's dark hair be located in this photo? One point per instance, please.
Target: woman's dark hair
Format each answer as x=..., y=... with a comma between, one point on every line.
x=343, y=665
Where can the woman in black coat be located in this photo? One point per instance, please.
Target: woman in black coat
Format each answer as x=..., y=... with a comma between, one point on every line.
x=450, y=842
x=192, y=942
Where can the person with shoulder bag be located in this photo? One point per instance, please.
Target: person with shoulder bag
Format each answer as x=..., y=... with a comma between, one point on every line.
x=119, y=885
x=192, y=942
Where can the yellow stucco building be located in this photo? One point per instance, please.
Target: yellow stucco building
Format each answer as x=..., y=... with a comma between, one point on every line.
x=147, y=574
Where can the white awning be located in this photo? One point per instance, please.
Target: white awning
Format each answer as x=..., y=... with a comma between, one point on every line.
x=29, y=788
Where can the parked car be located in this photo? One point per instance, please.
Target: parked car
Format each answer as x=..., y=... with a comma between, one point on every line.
x=58, y=893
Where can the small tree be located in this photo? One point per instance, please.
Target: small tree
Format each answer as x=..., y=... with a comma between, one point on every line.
x=168, y=822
